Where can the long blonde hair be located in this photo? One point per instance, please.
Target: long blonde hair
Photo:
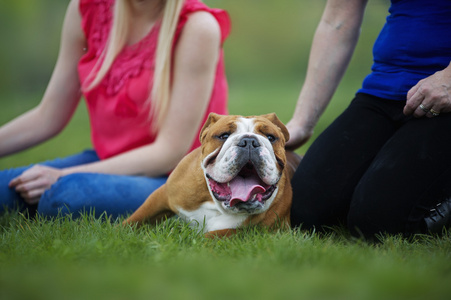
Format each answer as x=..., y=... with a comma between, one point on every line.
x=160, y=93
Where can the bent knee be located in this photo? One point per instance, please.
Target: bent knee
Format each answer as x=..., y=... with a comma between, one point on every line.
x=67, y=195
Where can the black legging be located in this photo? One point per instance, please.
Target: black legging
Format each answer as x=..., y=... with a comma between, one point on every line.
x=374, y=170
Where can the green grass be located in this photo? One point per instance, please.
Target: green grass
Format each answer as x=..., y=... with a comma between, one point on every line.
x=90, y=259
x=93, y=259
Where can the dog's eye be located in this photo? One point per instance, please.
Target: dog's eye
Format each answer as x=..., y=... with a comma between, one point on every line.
x=224, y=136
x=271, y=138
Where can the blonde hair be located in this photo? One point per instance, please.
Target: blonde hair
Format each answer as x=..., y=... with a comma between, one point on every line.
x=160, y=93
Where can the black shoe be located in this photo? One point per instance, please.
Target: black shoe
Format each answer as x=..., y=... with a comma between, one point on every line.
x=439, y=217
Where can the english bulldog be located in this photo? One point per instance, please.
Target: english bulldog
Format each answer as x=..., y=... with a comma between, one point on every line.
x=239, y=176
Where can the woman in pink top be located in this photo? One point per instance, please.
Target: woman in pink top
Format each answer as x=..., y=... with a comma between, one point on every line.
x=150, y=72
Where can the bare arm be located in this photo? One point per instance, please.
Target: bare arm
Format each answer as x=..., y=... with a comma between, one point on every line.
x=333, y=45
x=61, y=96
x=195, y=64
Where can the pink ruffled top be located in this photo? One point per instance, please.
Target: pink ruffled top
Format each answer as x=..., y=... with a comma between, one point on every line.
x=117, y=107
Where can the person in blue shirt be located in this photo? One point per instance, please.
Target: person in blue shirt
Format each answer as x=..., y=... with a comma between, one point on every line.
x=384, y=165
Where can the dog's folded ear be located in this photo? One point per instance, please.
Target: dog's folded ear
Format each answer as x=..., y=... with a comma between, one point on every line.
x=276, y=121
x=212, y=118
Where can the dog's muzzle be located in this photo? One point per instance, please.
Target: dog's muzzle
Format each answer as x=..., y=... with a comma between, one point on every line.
x=246, y=190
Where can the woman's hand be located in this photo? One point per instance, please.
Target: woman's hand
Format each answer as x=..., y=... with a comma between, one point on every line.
x=298, y=136
x=430, y=96
x=32, y=183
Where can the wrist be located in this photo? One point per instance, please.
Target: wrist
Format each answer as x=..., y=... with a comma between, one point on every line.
x=304, y=123
x=66, y=171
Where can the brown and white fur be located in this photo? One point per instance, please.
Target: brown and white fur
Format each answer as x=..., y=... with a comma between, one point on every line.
x=239, y=176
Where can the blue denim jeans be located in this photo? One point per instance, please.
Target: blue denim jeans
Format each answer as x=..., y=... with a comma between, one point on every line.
x=115, y=195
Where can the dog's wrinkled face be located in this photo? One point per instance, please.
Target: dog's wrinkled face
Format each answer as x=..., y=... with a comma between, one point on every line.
x=243, y=161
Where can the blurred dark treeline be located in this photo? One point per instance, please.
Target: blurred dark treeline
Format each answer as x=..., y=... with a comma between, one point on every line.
x=270, y=40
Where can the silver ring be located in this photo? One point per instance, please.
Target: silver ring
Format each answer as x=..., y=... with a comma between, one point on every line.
x=424, y=108
x=434, y=113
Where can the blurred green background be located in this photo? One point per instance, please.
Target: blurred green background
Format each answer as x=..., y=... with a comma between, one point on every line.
x=266, y=59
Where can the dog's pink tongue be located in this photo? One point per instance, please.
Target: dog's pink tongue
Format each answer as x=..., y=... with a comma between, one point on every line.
x=244, y=188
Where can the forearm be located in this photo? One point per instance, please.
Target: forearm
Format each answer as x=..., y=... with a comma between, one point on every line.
x=61, y=96
x=44, y=121
x=153, y=160
x=24, y=132
x=333, y=45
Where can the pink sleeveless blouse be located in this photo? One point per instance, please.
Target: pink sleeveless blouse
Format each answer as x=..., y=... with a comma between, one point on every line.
x=118, y=115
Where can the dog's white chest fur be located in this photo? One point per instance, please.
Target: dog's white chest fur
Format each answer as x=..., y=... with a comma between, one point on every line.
x=209, y=218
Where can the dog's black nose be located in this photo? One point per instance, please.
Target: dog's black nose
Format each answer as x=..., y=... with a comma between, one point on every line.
x=250, y=142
